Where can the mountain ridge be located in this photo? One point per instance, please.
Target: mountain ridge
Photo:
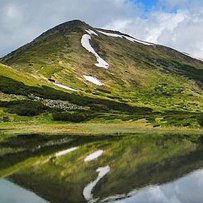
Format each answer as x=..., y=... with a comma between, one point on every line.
x=65, y=27
x=76, y=58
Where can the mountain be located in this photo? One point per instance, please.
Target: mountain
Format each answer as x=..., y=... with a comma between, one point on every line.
x=101, y=70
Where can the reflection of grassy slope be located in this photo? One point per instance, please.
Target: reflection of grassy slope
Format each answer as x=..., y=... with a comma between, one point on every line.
x=135, y=161
x=150, y=160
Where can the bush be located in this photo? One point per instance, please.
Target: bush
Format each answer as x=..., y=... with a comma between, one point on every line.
x=5, y=119
x=200, y=120
x=24, y=107
x=10, y=86
x=72, y=117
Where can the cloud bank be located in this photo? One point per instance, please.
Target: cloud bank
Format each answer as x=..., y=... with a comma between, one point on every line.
x=182, y=30
x=178, y=24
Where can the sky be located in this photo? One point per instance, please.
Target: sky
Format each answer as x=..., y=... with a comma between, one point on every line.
x=174, y=23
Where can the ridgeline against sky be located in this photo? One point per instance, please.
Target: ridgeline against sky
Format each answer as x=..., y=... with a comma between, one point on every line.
x=174, y=23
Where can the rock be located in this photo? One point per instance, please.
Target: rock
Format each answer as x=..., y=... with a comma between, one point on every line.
x=6, y=119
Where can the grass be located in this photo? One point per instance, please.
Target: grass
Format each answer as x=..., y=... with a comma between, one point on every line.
x=151, y=76
x=14, y=74
x=90, y=128
x=18, y=106
x=147, y=116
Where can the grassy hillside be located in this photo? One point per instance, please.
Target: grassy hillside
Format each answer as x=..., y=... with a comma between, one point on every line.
x=147, y=116
x=155, y=83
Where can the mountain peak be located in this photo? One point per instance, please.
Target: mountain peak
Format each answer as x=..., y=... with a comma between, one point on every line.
x=73, y=25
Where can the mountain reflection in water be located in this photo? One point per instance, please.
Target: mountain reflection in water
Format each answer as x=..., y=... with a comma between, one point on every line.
x=144, y=168
x=187, y=189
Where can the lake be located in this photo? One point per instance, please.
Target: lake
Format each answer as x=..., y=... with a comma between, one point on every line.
x=187, y=189
x=12, y=193
x=149, y=168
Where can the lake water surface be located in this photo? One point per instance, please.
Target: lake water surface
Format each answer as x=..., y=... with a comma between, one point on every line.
x=187, y=189
x=12, y=193
x=118, y=169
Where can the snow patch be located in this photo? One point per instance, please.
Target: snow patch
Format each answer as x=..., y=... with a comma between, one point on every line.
x=113, y=198
x=94, y=155
x=93, y=80
x=87, y=192
x=137, y=40
x=124, y=36
x=65, y=87
x=91, y=32
x=64, y=152
x=110, y=34
x=85, y=41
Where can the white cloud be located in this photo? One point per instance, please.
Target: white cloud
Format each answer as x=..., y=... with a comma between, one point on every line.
x=22, y=20
x=173, y=3
x=184, y=190
x=182, y=30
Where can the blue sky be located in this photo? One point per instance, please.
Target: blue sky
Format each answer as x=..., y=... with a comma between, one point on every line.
x=148, y=4
x=164, y=5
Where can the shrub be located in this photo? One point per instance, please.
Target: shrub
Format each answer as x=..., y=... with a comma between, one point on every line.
x=6, y=119
x=72, y=117
x=25, y=107
x=10, y=86
x=200, y=120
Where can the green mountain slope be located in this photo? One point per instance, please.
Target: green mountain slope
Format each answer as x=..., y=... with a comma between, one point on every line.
x=140, y=75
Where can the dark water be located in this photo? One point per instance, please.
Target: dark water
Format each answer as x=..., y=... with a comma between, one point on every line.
x=12, y=193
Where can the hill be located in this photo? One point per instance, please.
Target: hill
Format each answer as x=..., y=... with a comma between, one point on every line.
x=106, y=74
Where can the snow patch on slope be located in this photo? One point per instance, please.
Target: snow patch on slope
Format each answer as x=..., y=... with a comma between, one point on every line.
x=85, y=41
x=91, y=32
x=87, y=192
x=94, y=155
x=64, y=152
x=137, y=40
x=124, y=36
x=65, y=87
x=110, y=34
x=93, y=80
